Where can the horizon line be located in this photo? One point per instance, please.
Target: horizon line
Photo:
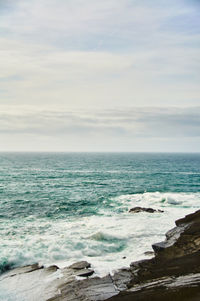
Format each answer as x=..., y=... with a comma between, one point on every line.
x=126, y=152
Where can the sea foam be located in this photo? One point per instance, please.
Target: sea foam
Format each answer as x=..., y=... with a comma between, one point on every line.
x=109, y=240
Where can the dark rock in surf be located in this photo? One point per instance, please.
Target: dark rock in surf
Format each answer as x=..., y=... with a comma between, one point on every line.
x=142, y=209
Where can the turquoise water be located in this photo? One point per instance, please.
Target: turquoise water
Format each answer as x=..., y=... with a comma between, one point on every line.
x=63, y=207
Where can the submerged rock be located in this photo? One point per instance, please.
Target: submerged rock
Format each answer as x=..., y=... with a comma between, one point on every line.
x=142, y=209
x=172, y=274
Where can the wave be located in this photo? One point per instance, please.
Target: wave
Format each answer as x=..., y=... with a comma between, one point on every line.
x=108, y=240
x=159, y=199
x=5, y=266
x=101, y=236
x=171, y=200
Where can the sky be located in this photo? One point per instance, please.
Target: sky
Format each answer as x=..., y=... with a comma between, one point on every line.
x=109, y=75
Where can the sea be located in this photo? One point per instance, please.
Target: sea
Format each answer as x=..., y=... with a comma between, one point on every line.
x=60, y=208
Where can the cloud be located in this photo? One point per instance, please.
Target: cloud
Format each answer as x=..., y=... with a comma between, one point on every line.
x=135, y=122
x=91, y=58
x=120, y=129
x=100, y=53
x=25, y=128
x=51, y=19
x=37, y=74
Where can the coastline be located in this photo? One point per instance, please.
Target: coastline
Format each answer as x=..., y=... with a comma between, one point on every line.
x=173, y=273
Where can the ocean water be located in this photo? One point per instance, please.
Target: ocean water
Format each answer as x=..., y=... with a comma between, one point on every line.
x=58, y=208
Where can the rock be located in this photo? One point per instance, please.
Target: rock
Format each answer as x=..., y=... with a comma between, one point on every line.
x=82, y=269
x=142, y=209
x=183, y=288
x=174, y=268
x=31, y=268
x=84, y=273
x=80, y=265
x=32, y=282
x=26, y=269
x=149, y=253
x=121, y=278
x=91, y=289
x=52, y=268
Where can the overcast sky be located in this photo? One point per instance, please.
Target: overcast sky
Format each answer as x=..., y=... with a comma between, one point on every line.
x=109, y=75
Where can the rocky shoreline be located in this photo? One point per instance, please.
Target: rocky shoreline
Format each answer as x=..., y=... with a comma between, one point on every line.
x=172, y=274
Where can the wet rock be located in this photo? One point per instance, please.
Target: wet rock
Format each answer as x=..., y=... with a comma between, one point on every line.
x=142, y=209
x=92, y=289
x=121, y=278
x=52, y=268
x=84, y=273
x=149, y=253
x=81, y=269
x=26, y=269
x=80, y=265
x=31, y=268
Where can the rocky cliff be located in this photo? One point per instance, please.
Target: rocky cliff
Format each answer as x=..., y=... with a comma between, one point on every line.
x=172, y=274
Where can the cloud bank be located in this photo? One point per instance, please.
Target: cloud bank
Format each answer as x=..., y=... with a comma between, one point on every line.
x=103, y=129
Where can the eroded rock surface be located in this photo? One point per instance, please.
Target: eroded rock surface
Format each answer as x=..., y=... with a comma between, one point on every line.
x=172, y=274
